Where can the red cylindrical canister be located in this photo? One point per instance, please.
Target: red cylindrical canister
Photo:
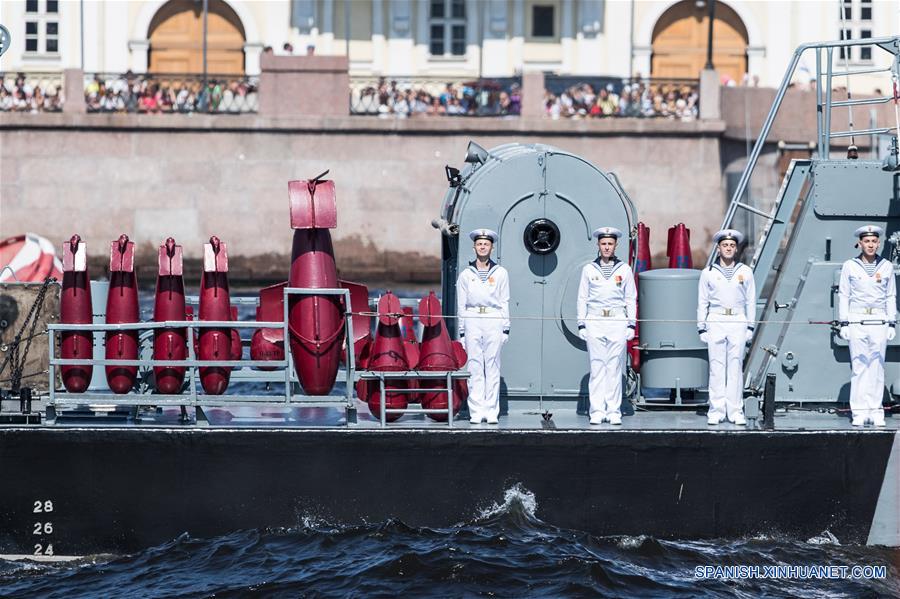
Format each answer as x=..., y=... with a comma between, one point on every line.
x=679, y=247
x=169, y=344
x=75, y=308
x=215, y=304
x=122, y=307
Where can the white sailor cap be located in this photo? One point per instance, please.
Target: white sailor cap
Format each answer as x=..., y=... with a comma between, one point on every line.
x=869, y=230
x=607, y=232
x=483, y=234
x=732, y=234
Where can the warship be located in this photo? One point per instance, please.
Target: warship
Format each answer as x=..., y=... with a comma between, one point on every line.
x=118, y=434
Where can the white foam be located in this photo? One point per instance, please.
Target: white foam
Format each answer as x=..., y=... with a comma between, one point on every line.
x=515, y=496
x=627, y=542
x=823, y=538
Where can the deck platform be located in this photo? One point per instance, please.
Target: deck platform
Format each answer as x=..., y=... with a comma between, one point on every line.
x=523, y=415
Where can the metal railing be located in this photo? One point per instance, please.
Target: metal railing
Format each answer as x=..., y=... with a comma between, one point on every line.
x=192, y=398
x=382, y=377
x=167, y=93
x=435, y=96
x=568, y=96
x=62, y=399
x=825, y=74
x=31, y=92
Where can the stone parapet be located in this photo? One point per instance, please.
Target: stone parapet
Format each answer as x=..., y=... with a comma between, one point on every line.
x=525, y=126
x=291, y=86
x=73, y=92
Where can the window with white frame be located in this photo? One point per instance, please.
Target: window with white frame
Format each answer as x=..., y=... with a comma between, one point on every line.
x=856, y=23
x=447, y=28
x=41, y=26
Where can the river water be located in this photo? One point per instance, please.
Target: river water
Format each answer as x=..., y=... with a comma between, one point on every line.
x=505, y=552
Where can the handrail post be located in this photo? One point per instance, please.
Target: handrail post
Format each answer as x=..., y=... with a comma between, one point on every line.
x=51, y=343
x=381, y=387
x=820, y=114
x=828, y=94
x=193, y=368
x=450, y=398
x=288, y=392
x=351, y=349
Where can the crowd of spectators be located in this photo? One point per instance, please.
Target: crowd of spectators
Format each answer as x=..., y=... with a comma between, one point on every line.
x=635, y=98
x=24, y=95
x=403, y=99
x=165, y=94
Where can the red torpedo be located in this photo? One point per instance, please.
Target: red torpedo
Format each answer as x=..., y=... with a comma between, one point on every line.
x=169, y=344
x=215, y=304
x=387, y=354
x=75, y=308
x=316, y=322
x=122, y=307
x=436, y=352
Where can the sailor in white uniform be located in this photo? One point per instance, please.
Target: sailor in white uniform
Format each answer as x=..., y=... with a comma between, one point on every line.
x=607, y=304
x=868, y=312
x=726, y=315
x=482, y=304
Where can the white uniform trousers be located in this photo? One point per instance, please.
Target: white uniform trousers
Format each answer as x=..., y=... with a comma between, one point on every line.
x=726, y=342
x=484, y=340
x=868, y=344
x=606, y=350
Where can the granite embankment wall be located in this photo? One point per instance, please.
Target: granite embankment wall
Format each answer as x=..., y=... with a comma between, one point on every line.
x=153, y=176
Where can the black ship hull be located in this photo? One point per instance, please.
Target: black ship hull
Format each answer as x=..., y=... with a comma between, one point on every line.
x=115, y=490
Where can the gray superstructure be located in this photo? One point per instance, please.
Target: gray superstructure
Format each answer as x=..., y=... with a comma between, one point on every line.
x=805, y=238
x=544, y=202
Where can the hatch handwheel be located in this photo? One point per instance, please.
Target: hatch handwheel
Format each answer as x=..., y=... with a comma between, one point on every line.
x=541, y=236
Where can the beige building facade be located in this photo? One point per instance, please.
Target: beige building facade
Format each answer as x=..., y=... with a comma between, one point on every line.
x=458, y=38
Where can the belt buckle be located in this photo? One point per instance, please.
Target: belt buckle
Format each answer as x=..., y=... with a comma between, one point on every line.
x=870, y=310
x=606, y=312
x=728, y=312
x=482, y=310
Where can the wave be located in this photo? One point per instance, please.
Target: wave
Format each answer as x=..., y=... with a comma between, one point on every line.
x=517, y=500
x=823, y=538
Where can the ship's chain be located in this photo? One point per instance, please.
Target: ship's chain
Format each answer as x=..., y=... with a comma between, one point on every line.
x=17, y=355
